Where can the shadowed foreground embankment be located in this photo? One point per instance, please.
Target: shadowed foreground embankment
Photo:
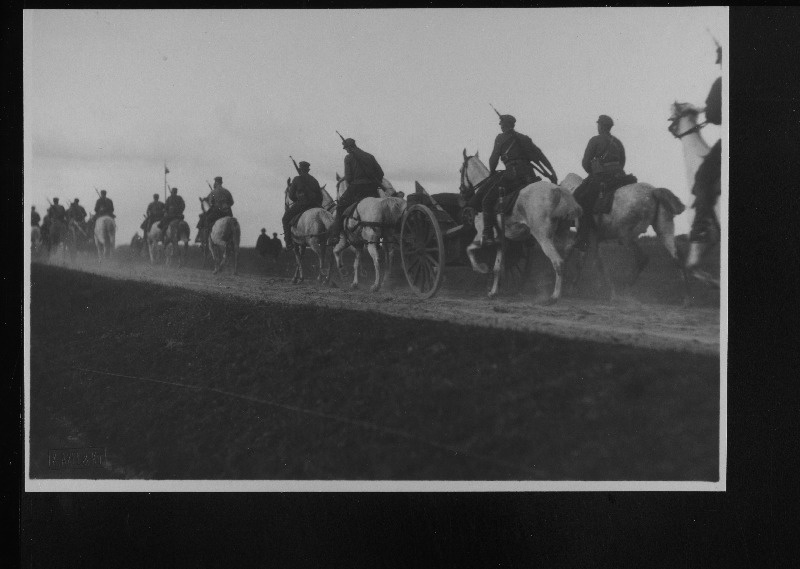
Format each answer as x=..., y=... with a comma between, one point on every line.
x=226, y=388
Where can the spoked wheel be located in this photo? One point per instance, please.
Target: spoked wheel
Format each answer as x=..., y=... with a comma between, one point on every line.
x=422, y=250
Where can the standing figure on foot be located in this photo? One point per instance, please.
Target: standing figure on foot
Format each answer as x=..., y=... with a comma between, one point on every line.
x=364, y=175
x=35, y=218
x=706, y=190
x=305, y=192
x=604, y=161
x=517, y=151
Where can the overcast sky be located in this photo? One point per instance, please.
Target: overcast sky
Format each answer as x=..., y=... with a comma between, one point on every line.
x=111, y=95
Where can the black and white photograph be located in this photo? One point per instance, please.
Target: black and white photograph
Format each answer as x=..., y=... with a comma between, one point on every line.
x=414, y=250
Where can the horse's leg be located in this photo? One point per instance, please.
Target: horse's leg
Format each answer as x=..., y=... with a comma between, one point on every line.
x=375, y=253
x=389, y=252
x=298, y=269
x=358, y=250
x=666, y=231
x=594, y=246
x=549, y=249
x=475, y=246
x=318, y=249
x=498, y=268
x=640, y=258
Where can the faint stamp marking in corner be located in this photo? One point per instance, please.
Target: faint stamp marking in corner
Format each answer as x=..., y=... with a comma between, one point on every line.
x=76, y=458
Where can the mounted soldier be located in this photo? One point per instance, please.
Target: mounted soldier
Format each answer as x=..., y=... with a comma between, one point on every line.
x=56, y=212
x=103, y=206
x=306, y=193
x=155, y=212
x=220, y=202
x=174, y=207
x=363, y=175
x=604, y=161
x=35, y=218
x=706, y=188
x=76, y=212
x=517, y=151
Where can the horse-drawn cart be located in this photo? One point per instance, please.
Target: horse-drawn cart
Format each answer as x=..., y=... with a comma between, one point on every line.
x=430, y=239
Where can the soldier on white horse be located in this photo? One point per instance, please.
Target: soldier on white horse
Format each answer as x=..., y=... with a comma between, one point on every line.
x=706, y=187
x=224, y=233
x=517, y=151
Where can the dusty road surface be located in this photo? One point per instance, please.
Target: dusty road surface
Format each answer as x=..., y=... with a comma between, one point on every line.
x=630, y=322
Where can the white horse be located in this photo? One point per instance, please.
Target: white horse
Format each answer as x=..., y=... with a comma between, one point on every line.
x=372, y=223
x=538, y=211
x=105, y=230
x=312, y=231
x=225, y=235
x=36, y=241
x=177, y=241
x=684, y=127
x=155, y=243
x=635, y=208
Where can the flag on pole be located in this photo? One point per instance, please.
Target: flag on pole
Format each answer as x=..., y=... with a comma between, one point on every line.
x=166, y=170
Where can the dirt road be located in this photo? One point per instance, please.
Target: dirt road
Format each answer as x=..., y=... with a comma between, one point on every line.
x=625, y=322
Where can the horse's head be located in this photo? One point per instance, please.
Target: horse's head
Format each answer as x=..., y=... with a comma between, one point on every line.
x=341, y=186
x=472, y=172
x=683, y=119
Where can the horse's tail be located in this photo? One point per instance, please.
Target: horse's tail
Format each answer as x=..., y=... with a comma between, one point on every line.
x=669, y=201
x=236, y=233
x=564, y=205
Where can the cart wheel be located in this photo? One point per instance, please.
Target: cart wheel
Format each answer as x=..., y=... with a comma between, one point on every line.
x=422, y=250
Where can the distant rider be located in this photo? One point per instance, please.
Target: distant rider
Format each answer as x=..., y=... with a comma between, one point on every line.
x=364, y=175
x=517, y=151
x=707, y=189
x=220, y=201
x=174, y=209
x=103, y=206
x=604, y=161
x=306, y=194
x=76, y=212
x=35, y=218
x=155, y=212
x=56, y=212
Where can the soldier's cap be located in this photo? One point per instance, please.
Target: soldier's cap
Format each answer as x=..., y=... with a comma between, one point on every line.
x=305, y=165
x=348, y=143
x=55, y=200
x=275, y=234
x=605, y=120
x=263, y=230
x=102, y=192
x=218, y=179
x=507, y=119
x=76, y=200
x=155, y=196
x=173, y=190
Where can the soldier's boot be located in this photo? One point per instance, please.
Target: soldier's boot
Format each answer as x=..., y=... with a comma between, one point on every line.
x=488, y=228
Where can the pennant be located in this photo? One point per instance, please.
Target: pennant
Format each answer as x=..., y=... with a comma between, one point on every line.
x=166, y=170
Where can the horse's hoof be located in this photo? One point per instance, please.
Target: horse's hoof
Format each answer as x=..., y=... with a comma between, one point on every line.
x=550, y=301
x=491, y=294
x=354, y=286
x=374, y=288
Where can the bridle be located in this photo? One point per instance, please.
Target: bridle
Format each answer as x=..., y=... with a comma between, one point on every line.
x=685, y=111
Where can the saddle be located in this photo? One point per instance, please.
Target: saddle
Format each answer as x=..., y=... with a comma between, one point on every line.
x=605, y=200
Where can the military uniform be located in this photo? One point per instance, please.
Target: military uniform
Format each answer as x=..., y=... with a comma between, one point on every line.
x=155, y=212
x=104, y=206
x=364, y=176
x=306, y=194
x=56, y=212
x=604, y=162
x=220, y=201
x=263, y=244
x=706, y=187
x=174, y=207
x=35, y=218
x=77, y=213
